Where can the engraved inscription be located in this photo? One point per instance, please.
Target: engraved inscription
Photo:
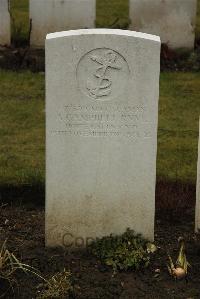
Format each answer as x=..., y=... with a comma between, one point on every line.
x=102, y=74
x=101, y=121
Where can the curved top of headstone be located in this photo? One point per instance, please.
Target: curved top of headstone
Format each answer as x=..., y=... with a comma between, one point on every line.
x=117, y=32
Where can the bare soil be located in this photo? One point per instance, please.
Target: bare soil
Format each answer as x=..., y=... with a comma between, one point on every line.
x=23, y=226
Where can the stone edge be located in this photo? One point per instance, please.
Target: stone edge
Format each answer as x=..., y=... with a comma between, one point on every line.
x=197, y=212
x=116, y=32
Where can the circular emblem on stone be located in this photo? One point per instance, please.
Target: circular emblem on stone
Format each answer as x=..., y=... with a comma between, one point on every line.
x=102, y=74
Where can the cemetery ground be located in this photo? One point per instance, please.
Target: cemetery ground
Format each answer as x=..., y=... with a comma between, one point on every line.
x=22, y=180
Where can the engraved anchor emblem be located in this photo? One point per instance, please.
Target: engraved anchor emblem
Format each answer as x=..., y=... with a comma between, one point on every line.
x=102, y=85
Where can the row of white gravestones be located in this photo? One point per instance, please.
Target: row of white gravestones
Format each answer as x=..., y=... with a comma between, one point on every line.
x=172, y=20
x=102, y=90
x=4, y=23
x=197, y=222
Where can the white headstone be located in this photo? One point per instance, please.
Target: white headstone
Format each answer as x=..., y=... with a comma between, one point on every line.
x=102, y=90
x=57, y=15
x=172, y=20
x=4, y=23
x=197, y=211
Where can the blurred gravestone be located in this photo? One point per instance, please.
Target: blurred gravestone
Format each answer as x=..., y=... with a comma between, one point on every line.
x=172, y=20
x=197, y=222
x=56, y=15
x=102, y=90
x=4, y=23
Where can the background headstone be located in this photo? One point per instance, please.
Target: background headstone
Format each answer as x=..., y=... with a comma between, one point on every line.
x=102, y=90
x=4, y=23
x=57, y=15
x=197, y=222
x=172, y=20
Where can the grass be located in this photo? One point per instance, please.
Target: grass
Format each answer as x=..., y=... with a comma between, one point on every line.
x=115, y=15
x=110, y=13
x=21, y=128
x=9, y=266
x=58, y=286
x=178, y=126
x=22, y=147
x=20, y=27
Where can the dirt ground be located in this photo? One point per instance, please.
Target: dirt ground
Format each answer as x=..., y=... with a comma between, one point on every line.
x=13, y=58
x=23, y=226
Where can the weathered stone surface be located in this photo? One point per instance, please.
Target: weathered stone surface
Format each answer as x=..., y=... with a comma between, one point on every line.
x=197, y=212
x=4, y=23
x=56, y=15
x=102, y=89
x=172, y=20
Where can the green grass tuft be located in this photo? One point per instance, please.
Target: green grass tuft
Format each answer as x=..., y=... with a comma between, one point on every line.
x=124, y=252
